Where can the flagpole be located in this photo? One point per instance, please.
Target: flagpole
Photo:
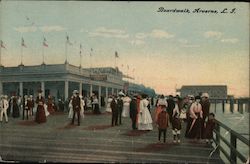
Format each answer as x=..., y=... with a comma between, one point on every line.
x=90, y=61
x=43, y=54
x=21, y=55
x=1, y=55
x=80, y=55
x=66, y=52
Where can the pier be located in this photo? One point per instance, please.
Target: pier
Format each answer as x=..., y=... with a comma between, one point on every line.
x=96, y=141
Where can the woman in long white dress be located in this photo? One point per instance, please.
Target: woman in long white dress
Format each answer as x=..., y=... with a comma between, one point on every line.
x=108, y=108
x=144, y=118
x=126, y=103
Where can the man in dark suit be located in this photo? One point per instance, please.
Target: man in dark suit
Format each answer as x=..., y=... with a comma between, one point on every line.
x=76, y=103
x=114, y=108
x=170, y=107
x=133, y=112
x=120, y=108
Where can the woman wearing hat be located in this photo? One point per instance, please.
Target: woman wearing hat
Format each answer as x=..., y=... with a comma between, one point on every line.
x=205, y=103
x=15, y=108
x=196, y=115
x=40, y=112
x=144, y=118
x=4, y=104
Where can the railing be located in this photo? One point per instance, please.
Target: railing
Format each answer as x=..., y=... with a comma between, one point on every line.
x=232, y=144
x=231, y=102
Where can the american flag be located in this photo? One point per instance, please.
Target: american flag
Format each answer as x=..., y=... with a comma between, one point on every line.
x=116, y=54
x=23, y=44
x=80, y=49
x=44, y=42
x=68, y=42
x=2, y=45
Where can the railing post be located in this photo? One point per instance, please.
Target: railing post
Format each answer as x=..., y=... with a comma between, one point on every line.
x=240, y=106
x=233, y=156
x=232, y=105
x=215, y=102
x=217, y=128
x=223, y=106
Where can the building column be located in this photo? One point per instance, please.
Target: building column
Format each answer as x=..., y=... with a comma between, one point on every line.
x=1, y=88
x=112, y=91
x=66, y=90
x=21, y=89
x=80, y=88
x=99, y=94
x=90, y=90
x=117, y=91
x=107, y=94
x=43, y=88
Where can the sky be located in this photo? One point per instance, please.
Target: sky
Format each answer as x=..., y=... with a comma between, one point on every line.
x=162, y=50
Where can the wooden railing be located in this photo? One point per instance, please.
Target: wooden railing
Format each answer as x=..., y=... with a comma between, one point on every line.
x=232, y=144
x=231, y=102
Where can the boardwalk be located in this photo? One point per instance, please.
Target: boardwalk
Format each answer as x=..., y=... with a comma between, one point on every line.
x=94, y=141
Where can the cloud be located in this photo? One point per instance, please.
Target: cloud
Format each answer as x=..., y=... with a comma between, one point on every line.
x=190, y=45
x=183, y=41
x=213, y=34
x=24, y=29
x=137, y=42
x=52, y=28
x=156, y=33
x=141, y=35
x=109, y=33
x=230, y=40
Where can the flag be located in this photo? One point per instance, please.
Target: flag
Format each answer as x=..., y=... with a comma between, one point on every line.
x=80, y=49
x=23, y=44
x=116, y=54
x=68, y=42
x=44, y=42
x=2, y=46
x=91, y=51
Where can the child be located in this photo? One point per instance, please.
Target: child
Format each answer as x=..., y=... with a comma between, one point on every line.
x=176, y=123
x=183, y=114
x=162, y=123
x=209, y=127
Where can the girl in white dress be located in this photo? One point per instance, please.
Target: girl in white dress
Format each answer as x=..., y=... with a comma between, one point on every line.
x=144, y=118
x=108, y=108
x=126, y=103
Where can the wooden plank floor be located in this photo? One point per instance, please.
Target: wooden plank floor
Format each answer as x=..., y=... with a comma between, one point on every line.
x=95, y=141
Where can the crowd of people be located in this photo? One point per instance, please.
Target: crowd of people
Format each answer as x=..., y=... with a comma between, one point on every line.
x=169, y=111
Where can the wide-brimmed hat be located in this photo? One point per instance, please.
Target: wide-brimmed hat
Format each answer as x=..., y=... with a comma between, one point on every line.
x=197, y=97
x=121, y=93
x=75, y=92
x=39, y=91
x=205, y=95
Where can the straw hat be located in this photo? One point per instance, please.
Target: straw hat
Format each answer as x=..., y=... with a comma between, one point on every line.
x=205, y=95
